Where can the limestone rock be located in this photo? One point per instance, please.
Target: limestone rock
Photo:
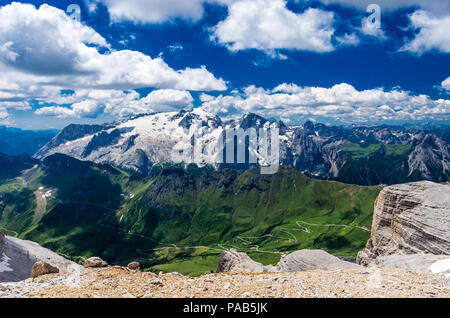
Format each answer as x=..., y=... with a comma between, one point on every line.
x=304, y=260
x=42, y=268
x=95, y=262
x=2, y=244
x=134, y=266
x=424, y=264
x=19, y=257
x=411, y=218
x=233, y=261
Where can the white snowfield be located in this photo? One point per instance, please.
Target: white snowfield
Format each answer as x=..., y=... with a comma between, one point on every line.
x=161, y=137
x=441, y=267
x=4, y=266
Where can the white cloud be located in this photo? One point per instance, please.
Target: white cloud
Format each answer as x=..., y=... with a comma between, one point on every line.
x=348, y=39
x=86, y=109
x=92, y=103
x=168, y=100
x=446, y=84
x=155, y=11
x=43, y=51
x=46, y=42
x=342, y=103
x=372, y=29
x=160, y=11
x=175, y=47
x=433, y=33
x=268, y=25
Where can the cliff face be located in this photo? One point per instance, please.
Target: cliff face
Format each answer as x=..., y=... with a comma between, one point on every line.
x=17, y=258
x=410, y=218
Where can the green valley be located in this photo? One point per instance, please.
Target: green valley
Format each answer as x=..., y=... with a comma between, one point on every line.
x=181, y=219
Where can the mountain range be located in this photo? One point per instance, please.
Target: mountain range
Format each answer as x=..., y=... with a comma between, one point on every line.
x=18, y=142
x=364, y=155
x=113, y=190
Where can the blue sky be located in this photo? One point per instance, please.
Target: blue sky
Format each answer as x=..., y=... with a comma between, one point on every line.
x=289, y=60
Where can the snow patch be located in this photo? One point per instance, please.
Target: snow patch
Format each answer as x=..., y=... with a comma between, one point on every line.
x=4, y=264
x=47, y=194
x=441, y=266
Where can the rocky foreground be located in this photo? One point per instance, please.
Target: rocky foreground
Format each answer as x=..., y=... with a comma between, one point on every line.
x=122, y=282
x=17, y=258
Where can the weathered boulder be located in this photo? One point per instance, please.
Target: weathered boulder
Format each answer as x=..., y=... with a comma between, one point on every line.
x=42, y=268
x=134, y=266
x=233, y=261
x=19, y=257
x=411, y=218
x=95, y=262
x=304, y=260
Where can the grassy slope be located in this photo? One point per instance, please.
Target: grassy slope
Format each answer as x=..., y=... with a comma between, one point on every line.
x=376, y=164
x=261, y=215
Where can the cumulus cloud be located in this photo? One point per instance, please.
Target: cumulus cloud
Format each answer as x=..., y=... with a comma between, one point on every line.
x=341, y=103
x=86, y=109
x=160, y=11
x=268, y=25
x=48, y=43
x=168, y=100
x=91, y=103
x=446, y=84
x=42, y=51
x=433, y=33
x=45, y=41
x=369, y=28
x=155, y=11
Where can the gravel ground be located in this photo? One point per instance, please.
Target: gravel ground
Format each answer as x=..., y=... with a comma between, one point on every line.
x=121, y=282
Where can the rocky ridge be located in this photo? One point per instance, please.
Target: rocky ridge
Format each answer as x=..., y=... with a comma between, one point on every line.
x=408, y=219
x=315, y=149
x=17, y=258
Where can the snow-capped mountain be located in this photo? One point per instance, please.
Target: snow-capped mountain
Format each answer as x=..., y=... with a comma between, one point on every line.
x=316, y=149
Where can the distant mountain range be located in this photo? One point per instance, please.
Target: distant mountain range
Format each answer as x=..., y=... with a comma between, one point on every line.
x=365, y=155
x=18, y=142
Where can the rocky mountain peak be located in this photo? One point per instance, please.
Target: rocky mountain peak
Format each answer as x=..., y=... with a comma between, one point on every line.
x=251, y=120
x=309, y=126
x=315, y=149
